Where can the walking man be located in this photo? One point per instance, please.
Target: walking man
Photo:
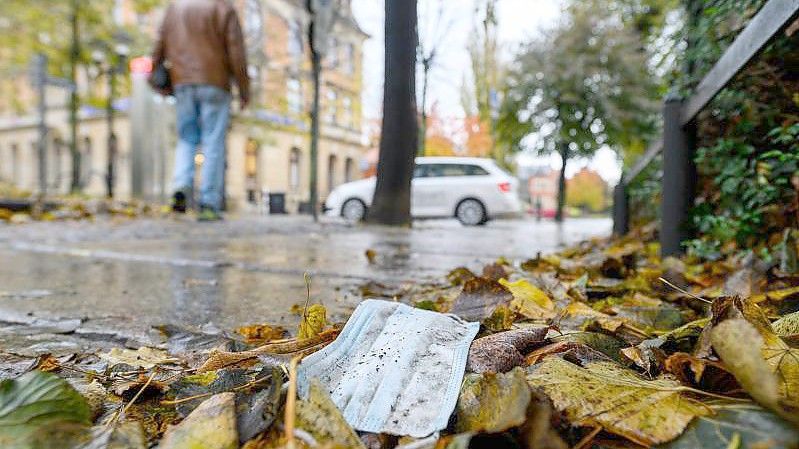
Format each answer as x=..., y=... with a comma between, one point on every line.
x=201, y=44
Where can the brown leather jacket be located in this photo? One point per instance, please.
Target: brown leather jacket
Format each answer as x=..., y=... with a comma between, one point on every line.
x=203, y=44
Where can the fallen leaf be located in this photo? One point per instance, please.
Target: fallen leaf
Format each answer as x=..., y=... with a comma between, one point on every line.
x=143, y=357
x=212, y=425
x=776, y=295
x=704, y=374
x=492, y=402
x=259, y=411
x=539, y=432
x=198, y=386
x=38, y=408
x=460, y=275
x=495, y=271
x=604, y=343
x=756, y=428
x=762, y=363
x=500, y=320
x=313, y=322
x=478, y=299
x=503, y=351
x=608, y=395
x=787, y=326
x=529, y=300
x=261, y=333
x=123, y=435
x=320, y=417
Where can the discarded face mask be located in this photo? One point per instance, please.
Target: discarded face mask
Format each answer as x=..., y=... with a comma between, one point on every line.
x=393, y=369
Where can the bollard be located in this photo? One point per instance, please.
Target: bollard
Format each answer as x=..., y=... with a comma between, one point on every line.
x=621, y=216
x=679, y=179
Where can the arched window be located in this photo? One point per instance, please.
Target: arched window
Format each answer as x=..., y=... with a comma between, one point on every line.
x=349, y=168
x=331, y=172
x=294, y=169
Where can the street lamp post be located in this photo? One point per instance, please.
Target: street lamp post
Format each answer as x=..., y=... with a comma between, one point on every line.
x=117, y=65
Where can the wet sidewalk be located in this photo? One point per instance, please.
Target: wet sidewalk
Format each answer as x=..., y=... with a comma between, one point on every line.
x=119, y=277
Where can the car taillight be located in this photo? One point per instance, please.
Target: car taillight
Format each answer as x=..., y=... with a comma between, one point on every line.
x=504, y=186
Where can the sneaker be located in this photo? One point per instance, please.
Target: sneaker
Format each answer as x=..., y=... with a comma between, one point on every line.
x=208, y=213
x=179, y=202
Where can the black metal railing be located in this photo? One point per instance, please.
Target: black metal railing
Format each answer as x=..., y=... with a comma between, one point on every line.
x=678, y=144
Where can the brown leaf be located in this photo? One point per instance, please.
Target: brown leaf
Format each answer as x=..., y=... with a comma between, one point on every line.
x=479, y=297
x=501, y=352
x=703, y=374
x=495, y=271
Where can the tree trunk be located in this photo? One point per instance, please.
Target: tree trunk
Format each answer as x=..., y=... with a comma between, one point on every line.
x=74, y=55
x=400, y=130
x=423, y=122
x=564, y=157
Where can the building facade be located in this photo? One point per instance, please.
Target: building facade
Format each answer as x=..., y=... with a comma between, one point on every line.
x=542, y=186
x=268, y=143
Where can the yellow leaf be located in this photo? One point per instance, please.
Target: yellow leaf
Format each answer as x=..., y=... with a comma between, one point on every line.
x=492, y=402
x=605, y=394
x=313, y=322
x=776, y=295
x=529, y=300
x=766, y=367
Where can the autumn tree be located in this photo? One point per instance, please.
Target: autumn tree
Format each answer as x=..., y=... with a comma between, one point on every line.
x=400, y=130
x=439, y=139
x=586, y=190
x=582, y=86
x=480, y=95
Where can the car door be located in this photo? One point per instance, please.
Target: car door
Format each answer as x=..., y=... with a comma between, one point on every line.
x=424, y=190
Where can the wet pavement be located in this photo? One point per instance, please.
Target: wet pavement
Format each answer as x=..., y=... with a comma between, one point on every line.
x=110, y=280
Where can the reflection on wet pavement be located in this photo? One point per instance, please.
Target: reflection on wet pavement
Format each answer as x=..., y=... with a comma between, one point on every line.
x=120, y=278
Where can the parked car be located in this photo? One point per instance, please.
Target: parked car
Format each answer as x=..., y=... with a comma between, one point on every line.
x=473, y=190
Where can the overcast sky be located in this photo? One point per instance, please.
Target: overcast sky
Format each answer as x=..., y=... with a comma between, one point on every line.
x=518, y=20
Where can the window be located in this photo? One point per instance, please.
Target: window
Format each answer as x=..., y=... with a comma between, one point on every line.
x=331, y=172
x=333, y=53
x=332, y=106
x=295, y=42
x=294, y=96
x=349, y=58
x=349, y=167
x=294, y=169
x=346, y=107
x=436, y=170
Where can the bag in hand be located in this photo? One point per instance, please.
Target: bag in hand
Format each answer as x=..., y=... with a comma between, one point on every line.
x=160, y=80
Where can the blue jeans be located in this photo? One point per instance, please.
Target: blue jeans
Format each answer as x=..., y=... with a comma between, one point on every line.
x=203, y=116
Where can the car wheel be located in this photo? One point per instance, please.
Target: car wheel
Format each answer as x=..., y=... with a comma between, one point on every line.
x=471, y=212
x=353, y=210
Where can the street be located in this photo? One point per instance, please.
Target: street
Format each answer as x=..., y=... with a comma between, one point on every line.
x=121, y=277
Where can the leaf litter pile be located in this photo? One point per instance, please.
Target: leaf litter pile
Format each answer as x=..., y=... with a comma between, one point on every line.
x=603, y=345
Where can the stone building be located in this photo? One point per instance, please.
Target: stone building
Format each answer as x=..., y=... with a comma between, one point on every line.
x=268, y=146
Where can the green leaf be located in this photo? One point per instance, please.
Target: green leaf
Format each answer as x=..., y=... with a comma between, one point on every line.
x=756, y=428
x=39, y=408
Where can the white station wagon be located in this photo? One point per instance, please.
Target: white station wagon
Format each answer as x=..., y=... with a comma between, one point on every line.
x=473, y=190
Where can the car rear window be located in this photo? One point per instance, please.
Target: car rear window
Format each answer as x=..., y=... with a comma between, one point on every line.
x=435, y=170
